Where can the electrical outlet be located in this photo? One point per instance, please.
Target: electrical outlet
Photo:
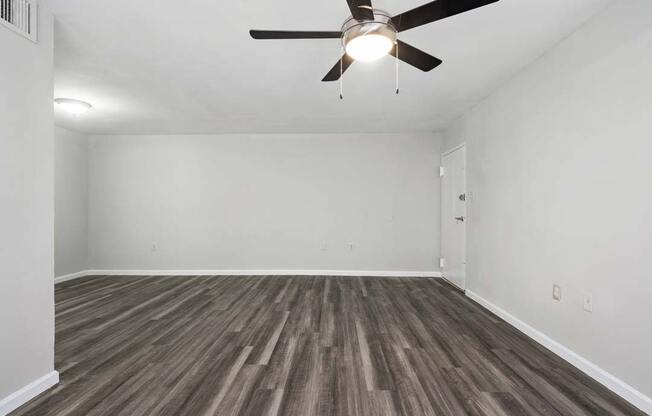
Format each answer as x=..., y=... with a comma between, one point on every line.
x=324, y=246
x=556, y=292
x=350, y=246
x=588, y=302
x=154, y=247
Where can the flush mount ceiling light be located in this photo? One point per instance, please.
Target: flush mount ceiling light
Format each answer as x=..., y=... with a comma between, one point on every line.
x=72, y=106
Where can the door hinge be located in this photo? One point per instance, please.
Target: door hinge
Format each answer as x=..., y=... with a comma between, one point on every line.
x=442, y=171
x=442, y=262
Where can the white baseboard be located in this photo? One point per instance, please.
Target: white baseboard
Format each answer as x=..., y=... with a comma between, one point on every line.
x=27, y=393
x=383, y=273
x=71, y=276
x=613, y=383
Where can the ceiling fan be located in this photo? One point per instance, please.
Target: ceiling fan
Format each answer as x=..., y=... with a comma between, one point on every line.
x=370, y=34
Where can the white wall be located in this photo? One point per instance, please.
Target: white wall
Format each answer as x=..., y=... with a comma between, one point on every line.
x=560, y=164
x=26, y=209
x=265, y=202
x=70, y=202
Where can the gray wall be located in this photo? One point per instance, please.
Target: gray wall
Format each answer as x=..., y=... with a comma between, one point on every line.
x=265, y=202
x=559, y=163
x=26, y=208
x=70, y=202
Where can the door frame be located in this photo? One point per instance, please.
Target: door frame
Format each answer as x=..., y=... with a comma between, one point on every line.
x=466, y=191
x=454, y=149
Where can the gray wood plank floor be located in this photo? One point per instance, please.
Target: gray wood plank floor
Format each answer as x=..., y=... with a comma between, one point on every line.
x=269, y=346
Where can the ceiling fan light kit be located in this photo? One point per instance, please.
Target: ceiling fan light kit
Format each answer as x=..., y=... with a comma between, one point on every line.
x=368, y=41
x=370, y=34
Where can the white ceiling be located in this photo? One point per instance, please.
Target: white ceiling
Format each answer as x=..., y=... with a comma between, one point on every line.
x=190, y=66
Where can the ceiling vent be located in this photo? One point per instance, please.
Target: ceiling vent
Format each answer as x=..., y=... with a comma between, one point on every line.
x=20, y=16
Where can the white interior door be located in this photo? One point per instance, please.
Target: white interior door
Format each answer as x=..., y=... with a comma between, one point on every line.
x=453, y=217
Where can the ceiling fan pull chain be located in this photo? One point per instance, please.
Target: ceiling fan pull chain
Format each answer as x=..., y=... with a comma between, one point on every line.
x=397, y=90
x=341, y=73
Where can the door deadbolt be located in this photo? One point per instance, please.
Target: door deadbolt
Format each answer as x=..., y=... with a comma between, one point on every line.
x=462, y=197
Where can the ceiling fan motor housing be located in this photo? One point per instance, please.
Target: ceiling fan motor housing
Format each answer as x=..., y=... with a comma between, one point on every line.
x=381, y=25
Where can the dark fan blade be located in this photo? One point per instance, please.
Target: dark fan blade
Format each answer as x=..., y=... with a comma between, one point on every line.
x=337, y=70
x=288, y=34
x=415, y=57
x=436, y=10
x=361, y=9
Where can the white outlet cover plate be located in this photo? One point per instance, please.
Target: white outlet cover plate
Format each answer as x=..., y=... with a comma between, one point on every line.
x=556, y=292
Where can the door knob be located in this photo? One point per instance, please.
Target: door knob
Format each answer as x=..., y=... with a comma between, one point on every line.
x=459, y=219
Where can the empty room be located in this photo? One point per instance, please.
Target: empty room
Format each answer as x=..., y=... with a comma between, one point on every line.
x=326, y=208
